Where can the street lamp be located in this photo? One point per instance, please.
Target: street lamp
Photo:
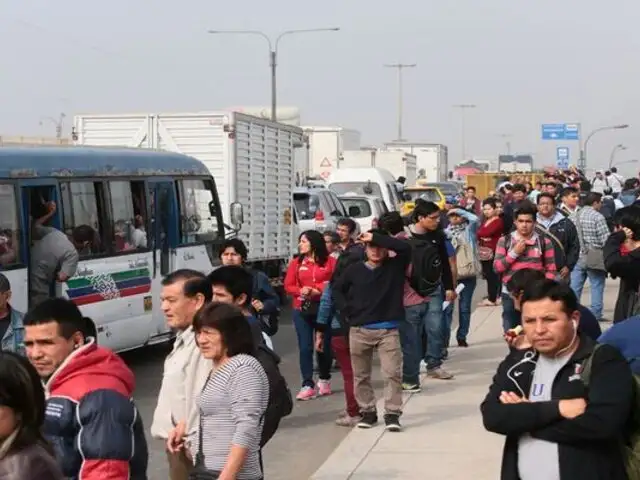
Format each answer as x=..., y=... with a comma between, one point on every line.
x=273, y=51
x=400, y=67
x=59, y=123
x=583, y=153
x=635, y=160
x=463, y=108
x=615, y=150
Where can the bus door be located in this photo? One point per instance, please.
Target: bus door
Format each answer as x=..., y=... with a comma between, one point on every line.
x=164, y=240
x=38, y=196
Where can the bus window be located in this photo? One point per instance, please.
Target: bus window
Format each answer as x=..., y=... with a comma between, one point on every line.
x=82, y=205
x=127, y=216
x=196, y=223
x=9, y=228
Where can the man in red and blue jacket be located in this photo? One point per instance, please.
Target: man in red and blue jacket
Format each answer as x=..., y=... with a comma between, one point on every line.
x=90, y=419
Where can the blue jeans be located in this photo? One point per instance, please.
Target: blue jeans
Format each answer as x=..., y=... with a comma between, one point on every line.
x=411, y=330
x=305, y=331
x=465, y=298
x=434, y=329
x=596, y=279
x=510, y=316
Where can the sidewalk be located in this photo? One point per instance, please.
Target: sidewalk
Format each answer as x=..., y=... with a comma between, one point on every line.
x=444, y=437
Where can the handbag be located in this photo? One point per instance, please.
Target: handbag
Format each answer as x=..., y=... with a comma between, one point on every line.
x=485, y=254
x=308, y=307
x=594, y=259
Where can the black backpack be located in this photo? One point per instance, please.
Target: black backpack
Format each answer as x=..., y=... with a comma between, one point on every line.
x=280, y=399
x=426, y=266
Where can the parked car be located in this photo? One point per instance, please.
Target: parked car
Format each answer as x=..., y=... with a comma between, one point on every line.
x=411, y=194
x=451, y=190
x=317, y=209
x=364, y=209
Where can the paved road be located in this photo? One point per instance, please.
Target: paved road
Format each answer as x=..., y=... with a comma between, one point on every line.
x=305, y=439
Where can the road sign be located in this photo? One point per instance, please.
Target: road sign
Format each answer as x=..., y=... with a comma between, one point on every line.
x=560, y=131
x=325, y=162
x=562, y=157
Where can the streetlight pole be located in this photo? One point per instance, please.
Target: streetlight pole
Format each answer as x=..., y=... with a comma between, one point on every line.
x=59, y=123
x=273, y=53
x=623, y=162
x=463, y=108
x=615, y=150
x=400, y=67
x=506, y=137
x=583, y=153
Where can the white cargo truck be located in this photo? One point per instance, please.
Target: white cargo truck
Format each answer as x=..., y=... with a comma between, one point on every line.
x=326, y=145
x=400, y=164
x=432, y=159
x=250, y=158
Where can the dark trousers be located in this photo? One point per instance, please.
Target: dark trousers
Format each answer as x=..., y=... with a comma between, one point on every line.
x=493, y=280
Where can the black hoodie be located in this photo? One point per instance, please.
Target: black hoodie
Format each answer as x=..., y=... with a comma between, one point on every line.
x=588, y=445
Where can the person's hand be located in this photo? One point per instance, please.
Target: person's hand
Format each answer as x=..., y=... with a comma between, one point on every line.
x=175, y=440
x=305, y=291
x=365, y=237
x=51, y=207
x=510, y=398
x=519, y=247
x=572, y=408
x=257, y=304
x=564, y=272
x=450, y=295
x=519, y=342
x=319, y=342
x=62, y=277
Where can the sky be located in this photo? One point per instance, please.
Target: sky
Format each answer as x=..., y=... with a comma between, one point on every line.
x=521, y=63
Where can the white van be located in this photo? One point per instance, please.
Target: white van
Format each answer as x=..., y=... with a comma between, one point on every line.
x=366, y=181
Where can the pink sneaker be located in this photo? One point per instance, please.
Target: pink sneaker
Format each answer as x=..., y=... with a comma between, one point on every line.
x=324, y=388
x=306, y=393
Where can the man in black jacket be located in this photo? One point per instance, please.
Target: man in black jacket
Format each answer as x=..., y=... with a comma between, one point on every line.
x=562, y=232
x=555, y=426
x=369, y=293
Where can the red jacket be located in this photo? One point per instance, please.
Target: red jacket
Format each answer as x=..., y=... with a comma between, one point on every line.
x=488, y=235
x=91, y=420
x=307, y=274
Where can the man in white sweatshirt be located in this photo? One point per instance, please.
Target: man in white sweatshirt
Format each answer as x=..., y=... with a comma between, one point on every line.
x=184, y=292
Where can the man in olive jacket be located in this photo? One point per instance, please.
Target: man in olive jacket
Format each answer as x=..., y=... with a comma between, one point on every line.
x=555, y=426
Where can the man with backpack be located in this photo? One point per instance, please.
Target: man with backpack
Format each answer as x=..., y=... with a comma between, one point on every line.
x=565, y=404
x=429, y=283
x=520, y=249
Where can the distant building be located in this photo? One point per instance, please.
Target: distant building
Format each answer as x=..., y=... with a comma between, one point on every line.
x=515, y=163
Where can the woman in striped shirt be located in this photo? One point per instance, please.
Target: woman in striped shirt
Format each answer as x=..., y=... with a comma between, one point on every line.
x=233, y=401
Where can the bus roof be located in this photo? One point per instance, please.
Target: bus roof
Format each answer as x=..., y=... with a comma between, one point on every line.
x=72, y=161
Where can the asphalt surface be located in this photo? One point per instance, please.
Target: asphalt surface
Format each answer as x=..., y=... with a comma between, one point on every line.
x=304, y=440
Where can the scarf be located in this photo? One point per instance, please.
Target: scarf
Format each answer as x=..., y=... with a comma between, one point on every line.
x=457, y=232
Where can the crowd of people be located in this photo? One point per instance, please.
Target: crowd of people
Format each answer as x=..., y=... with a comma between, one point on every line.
x=66, y=407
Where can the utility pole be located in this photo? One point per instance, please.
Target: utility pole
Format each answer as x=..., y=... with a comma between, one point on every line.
x=400, y=67
x=463, y=108
x=506, y=137
x=273, y=53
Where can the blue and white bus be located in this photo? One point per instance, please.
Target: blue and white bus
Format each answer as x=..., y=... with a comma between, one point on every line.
x=153, y=212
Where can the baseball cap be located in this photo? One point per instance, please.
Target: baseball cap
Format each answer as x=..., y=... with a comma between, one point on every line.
x=5, y=285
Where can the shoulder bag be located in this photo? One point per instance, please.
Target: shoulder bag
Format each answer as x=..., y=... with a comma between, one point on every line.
x=594, y=255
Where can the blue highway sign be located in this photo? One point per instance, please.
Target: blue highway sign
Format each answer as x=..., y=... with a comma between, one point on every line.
x=560, y=131
x=562, y=157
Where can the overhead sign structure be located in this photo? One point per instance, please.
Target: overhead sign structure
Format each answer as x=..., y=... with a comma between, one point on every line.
x=560, y=131
x=562, y=157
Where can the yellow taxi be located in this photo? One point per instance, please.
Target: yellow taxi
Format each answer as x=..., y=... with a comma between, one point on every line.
x=432, y=194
